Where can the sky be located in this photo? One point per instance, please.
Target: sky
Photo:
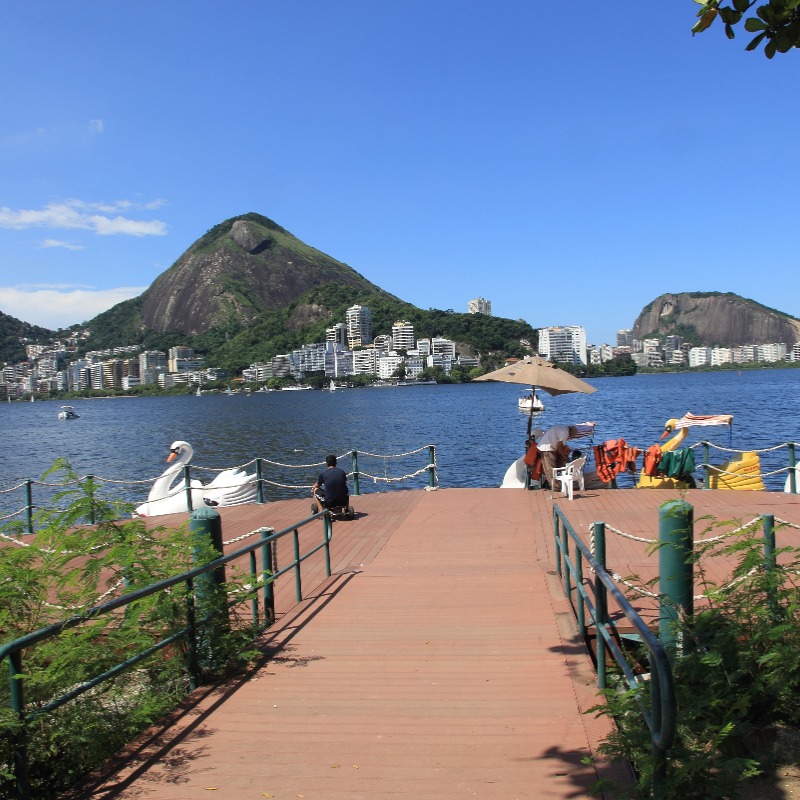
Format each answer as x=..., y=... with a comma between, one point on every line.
x=568, y=162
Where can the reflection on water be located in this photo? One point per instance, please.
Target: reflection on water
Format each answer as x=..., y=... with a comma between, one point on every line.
x=477, y=428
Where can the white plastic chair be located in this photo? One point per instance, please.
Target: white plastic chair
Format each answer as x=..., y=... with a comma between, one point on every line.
x=567, y=476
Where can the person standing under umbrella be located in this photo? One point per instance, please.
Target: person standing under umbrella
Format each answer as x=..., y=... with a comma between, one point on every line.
x=553, y=447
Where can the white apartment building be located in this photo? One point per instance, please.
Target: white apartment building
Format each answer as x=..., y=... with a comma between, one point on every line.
x=382, y=344
x=337, y=334
x=443, y=347
x=403, y=336
x=565, y=343
x=388, y=364
x=364, y=362
x=699, y=356
x=720, y=355
x=480, y=306
x=359, y=326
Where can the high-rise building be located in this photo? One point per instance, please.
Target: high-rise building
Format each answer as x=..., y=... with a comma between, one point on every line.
x=402, y=336
x=563, y=343
x=480, y=306
x=359, y=326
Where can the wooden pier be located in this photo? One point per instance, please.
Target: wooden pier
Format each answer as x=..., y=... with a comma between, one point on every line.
x=440, y=660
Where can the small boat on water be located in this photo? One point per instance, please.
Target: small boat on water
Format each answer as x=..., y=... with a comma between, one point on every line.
x=530, y=402
x=332, y=386
x=68, y=412
x=294, y=388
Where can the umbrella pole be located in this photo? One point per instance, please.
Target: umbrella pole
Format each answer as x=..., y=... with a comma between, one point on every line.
x=530, y=413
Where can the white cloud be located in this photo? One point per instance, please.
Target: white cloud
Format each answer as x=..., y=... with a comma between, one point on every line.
x=79, y=215
x=59, y=306
x=96, y=126
x=59, y=243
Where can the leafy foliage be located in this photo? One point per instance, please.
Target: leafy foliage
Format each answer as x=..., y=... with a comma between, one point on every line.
x=12, y=330
x=737, y=678
x=66, y=570
x=776, y=23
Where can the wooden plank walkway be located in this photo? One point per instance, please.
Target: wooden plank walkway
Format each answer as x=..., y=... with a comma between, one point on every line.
x=439, y=661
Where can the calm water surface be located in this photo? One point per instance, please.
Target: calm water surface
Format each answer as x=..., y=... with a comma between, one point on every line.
x=476, y=428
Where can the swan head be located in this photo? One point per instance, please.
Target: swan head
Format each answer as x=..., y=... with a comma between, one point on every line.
x=669, y=427
x=179, y=449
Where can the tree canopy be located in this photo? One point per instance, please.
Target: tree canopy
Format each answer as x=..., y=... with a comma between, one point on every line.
x=776, y=23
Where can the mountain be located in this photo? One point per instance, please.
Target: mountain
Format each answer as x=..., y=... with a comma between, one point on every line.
x=715, y=319
x=12, y=330
x=239, y=269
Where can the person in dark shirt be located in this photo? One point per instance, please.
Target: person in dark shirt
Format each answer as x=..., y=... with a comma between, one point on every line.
x=331, y=486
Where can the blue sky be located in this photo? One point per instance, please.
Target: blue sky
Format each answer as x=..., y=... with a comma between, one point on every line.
x=568, y=162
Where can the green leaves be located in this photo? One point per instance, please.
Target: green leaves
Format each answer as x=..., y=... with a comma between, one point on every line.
x=776, y=22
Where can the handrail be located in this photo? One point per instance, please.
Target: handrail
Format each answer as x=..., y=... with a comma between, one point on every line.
x=23, y=513
x=661, y=717
x=262, y=580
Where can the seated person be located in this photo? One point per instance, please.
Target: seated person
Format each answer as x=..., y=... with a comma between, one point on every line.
x=575, y=455
x=554, y=449
x=331, y=487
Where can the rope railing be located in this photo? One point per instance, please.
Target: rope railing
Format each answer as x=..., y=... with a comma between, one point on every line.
x=697, y=543
x=257, y=486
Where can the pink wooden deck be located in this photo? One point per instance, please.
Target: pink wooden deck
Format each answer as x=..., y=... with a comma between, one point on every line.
x=439, y=661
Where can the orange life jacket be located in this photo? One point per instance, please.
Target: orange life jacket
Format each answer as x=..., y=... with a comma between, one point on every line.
x=651, y=458
x=614, y=456
x=533, y=458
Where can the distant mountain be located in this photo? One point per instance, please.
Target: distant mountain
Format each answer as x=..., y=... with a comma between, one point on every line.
x=248, y=290
x=715, y=319
x=239, y=269
x=11, y=331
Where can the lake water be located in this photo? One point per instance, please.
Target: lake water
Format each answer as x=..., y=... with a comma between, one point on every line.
x=476, y=427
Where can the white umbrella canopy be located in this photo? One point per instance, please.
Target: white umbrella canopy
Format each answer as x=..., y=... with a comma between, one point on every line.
x=539, y=373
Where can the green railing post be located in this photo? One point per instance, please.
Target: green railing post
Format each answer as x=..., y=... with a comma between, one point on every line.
x=356, y=488
x=792, y=470
x=90, y=488
x=327, y=532
x=267, y=564
x=259, y=481
x=205, y=527
x=706, y=468
x=29, y=504
x=20, y=738
x=298, y=583
x=432, y=465
x=770, y=561
x=601, y=602
x=675, y=567
x=187, y=482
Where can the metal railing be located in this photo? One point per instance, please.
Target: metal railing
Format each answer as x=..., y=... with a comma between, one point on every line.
x=588, y=597
x=387, y=470
x=261, y=581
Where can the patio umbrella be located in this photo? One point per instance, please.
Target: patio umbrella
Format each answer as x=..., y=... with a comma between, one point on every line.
x=537, y=372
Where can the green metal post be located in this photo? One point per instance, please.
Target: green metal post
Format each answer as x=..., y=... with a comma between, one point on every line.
x=431, y=465
x=90, y=488
x=29, y=504
x=327, y=532
x=356, y=489
x=260, y=481
x=580, y=612
x=706, y=468
x=205, y=528
x=187, y=482
x=675, y=567
x=298, y=583
x=601, y=601
x=792, y=470
x=770, y=561
x=267, y=564
x=18, y=707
